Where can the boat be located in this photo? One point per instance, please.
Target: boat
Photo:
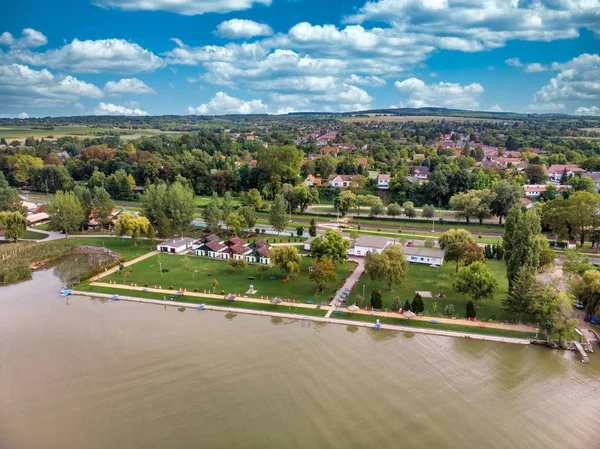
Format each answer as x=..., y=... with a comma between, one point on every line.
x=433, y=321
x=65, y=292
x=38, y=265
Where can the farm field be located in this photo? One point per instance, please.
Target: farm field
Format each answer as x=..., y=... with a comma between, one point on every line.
x=413, y=118
x=21, y=133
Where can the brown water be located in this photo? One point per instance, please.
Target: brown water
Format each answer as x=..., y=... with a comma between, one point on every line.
x=82, y=373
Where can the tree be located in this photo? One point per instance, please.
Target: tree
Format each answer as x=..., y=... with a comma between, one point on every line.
x=249, y=215
x=376, y=301
x=213, y=214
x=409, y=209
x=582, y=184
x=14, y=225
x=454, y=244
x=521, y=292
x=65, y=212
x=535, y=174
x=582, y=212
x=522, y=245
x=215, y=284
x=277, y=216
x=102, y=206
x=389, y=266
x=449, y=310
x=331, y=246
x=506, y=196
x=377, y=208
x=464, y=203
x=304, y=197
x=169, y=208
x=325, y=165
x=118, y=185
x=345, y=201
x=473, y=253
x=417, y=306
x=284, y=161
x=300, y=231
x=312, y=230
x=406, y=305
x=470, y=310
x=236, y=264
x=552, y=308
x=227, y=206
x=254, y=199
x=587, y=290
x=322, y=273
x=476, y=280
x=85, y=198
x=428, y=211
x=287, y=258
x=20, y=166
x=9, y=198
x=132, y=226
x=235, y=222
x=262, y=269
x=394, y=209
x=50, y=178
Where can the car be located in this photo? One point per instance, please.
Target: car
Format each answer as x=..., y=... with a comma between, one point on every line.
x=409, y=243
x=579, y=305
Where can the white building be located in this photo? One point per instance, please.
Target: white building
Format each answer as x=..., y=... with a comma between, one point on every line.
x=176, y=245
x=383, y=181
x=429, y=256
x=369, y=244
x=340, y=181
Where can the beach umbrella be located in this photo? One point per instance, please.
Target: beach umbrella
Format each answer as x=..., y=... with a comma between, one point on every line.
x=353, y=309
x=230, y=297
x=276, y=300
x=408, y=314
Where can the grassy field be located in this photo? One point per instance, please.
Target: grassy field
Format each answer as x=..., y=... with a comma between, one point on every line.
x=32, y=235
x=22, y=132
x=425, y=278
x=195, y=274
x=124, y=247
x=426, y=224
x=412, y=118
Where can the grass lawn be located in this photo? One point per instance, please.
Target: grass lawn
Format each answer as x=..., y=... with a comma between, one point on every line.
x=424, y=278
x=426, y=224
x=183, y=274
x=32, y=235
x=122, y=246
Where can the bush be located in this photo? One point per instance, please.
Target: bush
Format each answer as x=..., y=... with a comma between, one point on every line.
x=171, y=287
x=146, y=284
x=196, y=290
x=470, y=310
x=406, y=305
x=449, y=310
x=376, y=301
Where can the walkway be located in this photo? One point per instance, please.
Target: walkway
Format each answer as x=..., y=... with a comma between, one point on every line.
x=352, y=279
x=126, y=264
x=416, y=330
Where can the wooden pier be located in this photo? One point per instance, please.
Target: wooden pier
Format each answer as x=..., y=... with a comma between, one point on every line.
x=584, y=356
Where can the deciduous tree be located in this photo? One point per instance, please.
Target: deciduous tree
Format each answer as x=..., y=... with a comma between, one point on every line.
x=389, y=266
x=65, y=212
x=14, y=225
x=322, y=273
x=475, y=280
x=331, y=246
x=287, y=258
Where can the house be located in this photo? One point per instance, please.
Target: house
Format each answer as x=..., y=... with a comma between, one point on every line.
x=362, y=161
x=429, y=256
x=446, y=144
x=419, y=156
x=311, y=181
x=571, y=244
x=535, y=190
x=176, y=245
x=369, y=244
x=330, y=150
x=36, y=219
x=212, y=246
x=527, y=203
x=506, y=161
x=383, y=181
x=556, y=172
x=347, y=146
x=250, y=137
x=260, y=252
x=340, y=181
x=307, y=243
x=421, y=172
x=234, y=248
x=595, y=176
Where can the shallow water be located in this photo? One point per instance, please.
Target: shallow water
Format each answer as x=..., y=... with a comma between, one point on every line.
x=83, y=373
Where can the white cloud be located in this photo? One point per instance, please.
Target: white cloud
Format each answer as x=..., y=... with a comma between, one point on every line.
x=450, y=95
x=186, y=7
x=545, y=107
x=593, y=110
x=22, y=115
x=535, y=67
x=31, y=39
x=92, y=56
x=22, y=86
x=366, y=80
x=496, y=108
x=473, y=25
x=114, y=109
x=127, y=86
x=241, y=28
x=222, y=104
x=514, y=62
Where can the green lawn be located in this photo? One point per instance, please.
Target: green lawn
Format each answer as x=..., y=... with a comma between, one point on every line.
x=32, y=235
x=425, y=278
x=184, y=274
x=122, y=246
x=426, y=224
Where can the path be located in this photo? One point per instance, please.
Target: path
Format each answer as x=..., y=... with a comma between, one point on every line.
x=51, y=235
x=394, y=327
x=352, y=279
x=126, y=264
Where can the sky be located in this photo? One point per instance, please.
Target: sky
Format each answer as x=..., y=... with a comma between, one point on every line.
x=213, y=57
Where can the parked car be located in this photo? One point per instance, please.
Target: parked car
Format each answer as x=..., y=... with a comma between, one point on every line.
x=579, y=305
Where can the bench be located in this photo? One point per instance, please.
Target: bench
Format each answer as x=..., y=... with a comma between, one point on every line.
x=370, y=308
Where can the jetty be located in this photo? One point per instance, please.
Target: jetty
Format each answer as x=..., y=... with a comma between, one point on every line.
x=584, y=356
x=320, y=319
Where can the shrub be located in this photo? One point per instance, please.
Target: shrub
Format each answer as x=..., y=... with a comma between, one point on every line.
x=470, y=310
x=376, y=300
x=449, y=310
x=196, y=290
x=146, y=284
x=171, y=287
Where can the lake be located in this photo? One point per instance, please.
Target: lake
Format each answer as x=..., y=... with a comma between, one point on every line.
x=82, y=373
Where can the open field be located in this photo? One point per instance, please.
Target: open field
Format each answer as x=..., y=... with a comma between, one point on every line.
x=32, y=235
x=597, y=130
x=22, y=132
x=413, y=118
x=124, y=247
x=194, y=273
x=425, y=278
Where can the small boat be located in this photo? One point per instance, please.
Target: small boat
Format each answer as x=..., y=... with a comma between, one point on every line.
x=114, y=297
x=37, y=266
x=433, y=321
x=65, y=292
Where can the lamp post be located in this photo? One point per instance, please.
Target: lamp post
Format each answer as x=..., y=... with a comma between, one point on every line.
x=363, y=292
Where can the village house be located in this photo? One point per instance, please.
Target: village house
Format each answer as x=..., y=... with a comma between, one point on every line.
x=330, y=150
x=421, y=172
x=340, y=181
x=383, y=181
x=446, y=144
x=556, y=172
x=594, y=176
x=234, y=248
x=311, y=181
x=176, y=245
x=429, y=256
x=535, y=190
x=527, y=203
x=37, y=219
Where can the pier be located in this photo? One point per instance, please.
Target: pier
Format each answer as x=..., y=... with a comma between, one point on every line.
x=584, y=356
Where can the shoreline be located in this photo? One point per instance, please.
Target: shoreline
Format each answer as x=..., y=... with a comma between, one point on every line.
x=300, y=317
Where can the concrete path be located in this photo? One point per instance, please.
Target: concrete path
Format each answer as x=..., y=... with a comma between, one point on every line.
x=352, y=279
x=131, y=262
x=416, y=330
x=51, y=235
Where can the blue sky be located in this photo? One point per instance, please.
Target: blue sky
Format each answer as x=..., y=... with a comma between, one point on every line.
x=137, y=57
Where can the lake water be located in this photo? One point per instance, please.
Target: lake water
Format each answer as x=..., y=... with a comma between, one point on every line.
x=82, y=373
